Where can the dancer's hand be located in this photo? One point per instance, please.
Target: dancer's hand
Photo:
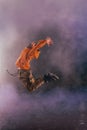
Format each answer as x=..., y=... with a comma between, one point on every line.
x=49, y=41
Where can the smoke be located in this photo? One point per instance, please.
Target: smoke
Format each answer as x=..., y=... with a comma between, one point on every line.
x=25, y=21
x=22, y=22
x=39, y=111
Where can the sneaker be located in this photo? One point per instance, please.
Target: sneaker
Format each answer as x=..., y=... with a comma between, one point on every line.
x=50, y=77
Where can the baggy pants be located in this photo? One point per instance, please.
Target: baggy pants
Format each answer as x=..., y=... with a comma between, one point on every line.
x=29, y=81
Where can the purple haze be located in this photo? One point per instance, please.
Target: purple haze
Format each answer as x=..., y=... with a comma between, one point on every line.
x=24, y=21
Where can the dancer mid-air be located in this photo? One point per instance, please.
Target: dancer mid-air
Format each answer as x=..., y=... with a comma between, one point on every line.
x=23, y=65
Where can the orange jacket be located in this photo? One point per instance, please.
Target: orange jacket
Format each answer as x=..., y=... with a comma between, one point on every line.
x=27, y=54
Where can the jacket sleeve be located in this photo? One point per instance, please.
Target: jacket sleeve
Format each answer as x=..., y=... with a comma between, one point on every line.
x=39, y=45
x=36, y=54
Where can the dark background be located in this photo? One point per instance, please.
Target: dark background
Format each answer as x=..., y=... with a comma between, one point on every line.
x=60, y=105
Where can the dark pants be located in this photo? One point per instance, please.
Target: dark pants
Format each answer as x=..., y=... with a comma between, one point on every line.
x=28, y=80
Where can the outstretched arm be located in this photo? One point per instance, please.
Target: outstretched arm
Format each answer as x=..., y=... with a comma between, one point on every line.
x=40, y=44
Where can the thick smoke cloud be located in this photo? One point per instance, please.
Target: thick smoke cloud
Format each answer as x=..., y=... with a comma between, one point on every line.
x=41, y=111
x=25, y=21
x=22, y=22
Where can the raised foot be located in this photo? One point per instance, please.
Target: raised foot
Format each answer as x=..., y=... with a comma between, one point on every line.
x=50, y=77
